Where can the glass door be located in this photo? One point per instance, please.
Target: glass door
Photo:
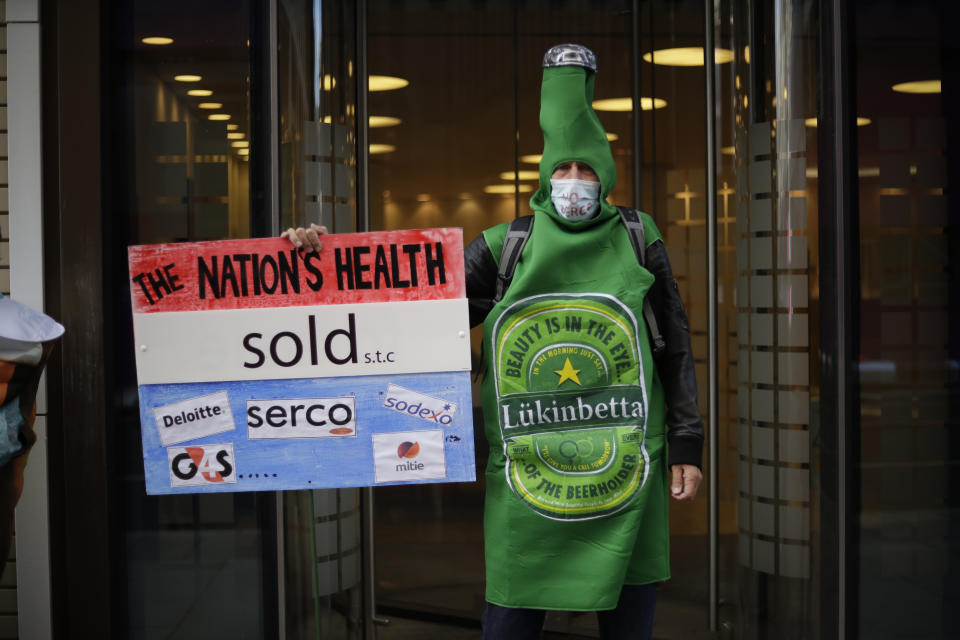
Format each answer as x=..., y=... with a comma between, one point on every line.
x=455, y=141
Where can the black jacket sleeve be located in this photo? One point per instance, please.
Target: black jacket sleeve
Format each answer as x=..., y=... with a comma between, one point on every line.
x=481, y=279
x=675, y=364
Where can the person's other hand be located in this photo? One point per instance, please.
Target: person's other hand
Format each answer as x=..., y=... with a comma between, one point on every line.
x=309, y=239
x=685, y=480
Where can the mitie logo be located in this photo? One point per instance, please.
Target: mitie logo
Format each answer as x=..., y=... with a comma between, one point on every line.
x=409, y=450
x=405, y=456
x=200, y=465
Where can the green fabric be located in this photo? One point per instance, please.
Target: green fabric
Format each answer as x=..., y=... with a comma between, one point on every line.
x=551, y=556
x=576, y=502
x=572, y=132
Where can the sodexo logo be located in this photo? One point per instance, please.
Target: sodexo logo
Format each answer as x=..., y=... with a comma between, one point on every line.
x=419, y=405
x=208, y=464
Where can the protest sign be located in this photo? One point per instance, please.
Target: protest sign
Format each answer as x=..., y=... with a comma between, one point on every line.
x=261, y=367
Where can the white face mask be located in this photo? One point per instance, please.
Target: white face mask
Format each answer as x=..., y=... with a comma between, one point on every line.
x=575, y=199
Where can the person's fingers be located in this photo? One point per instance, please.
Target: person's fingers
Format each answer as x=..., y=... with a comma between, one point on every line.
x=687, y=477
x=691, y=482
x=308, y=239
x=676, y=482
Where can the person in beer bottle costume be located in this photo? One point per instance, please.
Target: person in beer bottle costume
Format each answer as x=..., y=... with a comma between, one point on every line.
x=588, y=432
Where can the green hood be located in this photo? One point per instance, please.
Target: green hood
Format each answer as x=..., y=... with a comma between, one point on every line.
x=572, y=132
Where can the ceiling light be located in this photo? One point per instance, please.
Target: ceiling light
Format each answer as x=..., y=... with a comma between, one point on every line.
x=235, y=135
x=612, y=137
x=239, y=144
x=329, y=82
x=157, y=40
x=219, y=116
x=386, y=83
x=377, y=122
x=728, y=151
x=522, y=175
x=188, y=77
x=232, y=126
x=686, y=56
x=382, y=148
x=507, y=188
x=626, y=104
x=531, y=159
x=746, y=54
x=244, y=151
x=210, y=105
x=861, y=121
x=918, y=86
x=200, y=93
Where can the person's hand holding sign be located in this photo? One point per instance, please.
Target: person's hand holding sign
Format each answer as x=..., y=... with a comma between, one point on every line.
x=308, y=239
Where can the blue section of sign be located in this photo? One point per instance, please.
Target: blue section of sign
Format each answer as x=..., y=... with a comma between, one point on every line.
x=304, y=463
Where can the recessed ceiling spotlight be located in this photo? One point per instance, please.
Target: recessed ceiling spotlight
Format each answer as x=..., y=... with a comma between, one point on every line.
x=918, y=86
x=521, y=175
x=188, y=77
x=157, y=40
x=686, y=56
x=200, y=93
x=507, y=188
x=626, y=104
x=386, y=83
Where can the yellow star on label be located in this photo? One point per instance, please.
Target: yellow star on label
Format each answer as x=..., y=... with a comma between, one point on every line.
x=568, y=373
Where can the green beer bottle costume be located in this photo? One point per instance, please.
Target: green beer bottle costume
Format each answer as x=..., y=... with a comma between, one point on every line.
x=573, y=403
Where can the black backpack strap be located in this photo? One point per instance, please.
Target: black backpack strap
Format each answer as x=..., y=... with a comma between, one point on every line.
x=633, y=223
x=517, y=235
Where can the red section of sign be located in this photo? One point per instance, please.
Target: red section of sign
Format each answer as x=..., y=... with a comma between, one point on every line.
x=381, y=266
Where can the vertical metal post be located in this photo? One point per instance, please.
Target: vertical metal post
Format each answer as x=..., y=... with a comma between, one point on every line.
x=712, y=338
x=637, y=112
x=281, y=569
x=371, y=620
x=839, y=322
x=273, y=121
x=273, y=204
x=363, y=121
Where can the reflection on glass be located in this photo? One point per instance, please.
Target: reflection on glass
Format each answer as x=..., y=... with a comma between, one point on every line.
x=908, y=519
x=189, y=559
x=768, y=316
x=317, y=86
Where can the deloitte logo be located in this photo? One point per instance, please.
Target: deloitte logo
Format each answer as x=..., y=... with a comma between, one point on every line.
x=572, y=408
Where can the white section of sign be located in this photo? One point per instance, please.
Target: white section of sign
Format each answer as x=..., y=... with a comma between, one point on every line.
x=194, y=418
x=408, y=455
x=378, y=338
x=301, y=418
x=434, y=410
x=202, y=465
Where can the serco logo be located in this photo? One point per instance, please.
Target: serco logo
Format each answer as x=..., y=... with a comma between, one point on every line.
x=212, y=464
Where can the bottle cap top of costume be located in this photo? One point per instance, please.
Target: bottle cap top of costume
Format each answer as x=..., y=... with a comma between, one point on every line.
x=570, y=55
